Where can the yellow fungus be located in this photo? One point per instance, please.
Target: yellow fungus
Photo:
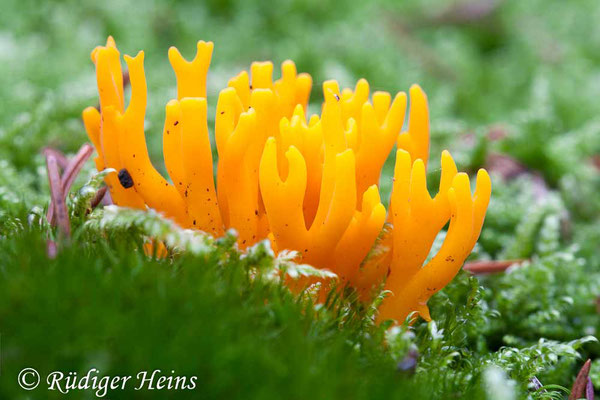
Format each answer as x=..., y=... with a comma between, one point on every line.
x=306, y=185
x=199, y=195
x=155, y=249
x=416, y=140
x=417, y=219
x=152, y=187
x=191, y=75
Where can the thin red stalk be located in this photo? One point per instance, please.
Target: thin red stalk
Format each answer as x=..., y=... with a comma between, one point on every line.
x=61, y=159
x=75, y=165
x=57, y=196
x=98, y=197
x=487, y=267
x=70, y=173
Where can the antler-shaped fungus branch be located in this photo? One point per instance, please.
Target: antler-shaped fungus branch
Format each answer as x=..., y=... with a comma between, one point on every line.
x=411, y=284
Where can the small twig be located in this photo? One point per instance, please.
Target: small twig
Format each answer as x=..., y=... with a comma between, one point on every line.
x=70, y=173
x=580, y=385
x=488, y=267
x=98, y=197
x=57, y=196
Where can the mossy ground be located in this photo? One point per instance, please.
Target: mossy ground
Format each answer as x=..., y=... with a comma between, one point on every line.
x=519, y=80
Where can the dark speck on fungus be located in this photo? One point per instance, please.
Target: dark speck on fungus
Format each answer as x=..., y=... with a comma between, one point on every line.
x=125, y=178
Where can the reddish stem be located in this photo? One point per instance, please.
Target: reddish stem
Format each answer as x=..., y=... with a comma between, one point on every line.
x=98, y=197
x=61, y=159
x=70, y=173
x=57, y=197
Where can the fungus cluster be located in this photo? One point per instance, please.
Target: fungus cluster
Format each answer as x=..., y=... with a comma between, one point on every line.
x=309, y=185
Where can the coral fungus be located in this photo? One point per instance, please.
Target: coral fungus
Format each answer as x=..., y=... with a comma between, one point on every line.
x=308, y=185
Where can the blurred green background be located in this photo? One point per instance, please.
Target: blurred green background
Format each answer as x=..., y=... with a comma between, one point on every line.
x=523, y=71
x=513, y=86
x=481, y=62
